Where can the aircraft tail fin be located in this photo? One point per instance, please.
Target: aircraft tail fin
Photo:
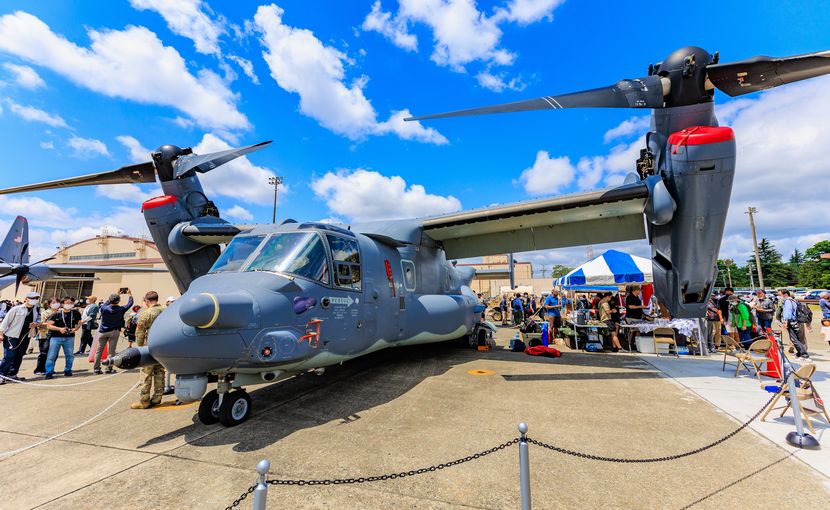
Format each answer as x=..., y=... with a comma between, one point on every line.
x=15, y=247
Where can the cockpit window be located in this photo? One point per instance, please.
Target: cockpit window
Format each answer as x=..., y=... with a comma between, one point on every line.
x=236, y=253
x=300, y=254
x=346, y=257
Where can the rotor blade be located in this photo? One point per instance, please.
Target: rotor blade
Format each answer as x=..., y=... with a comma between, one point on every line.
x=761, y=73
x=42, y=261
x=206, y=162
x=17, y=281
x=140, y=173
x=646, y=92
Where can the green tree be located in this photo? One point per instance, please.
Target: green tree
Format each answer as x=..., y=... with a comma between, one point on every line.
x=796, y=258
x=776, y=273
x=815, y=271
x=559, y=270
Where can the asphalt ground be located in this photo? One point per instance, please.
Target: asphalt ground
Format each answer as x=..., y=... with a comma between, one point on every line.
x=392, y=411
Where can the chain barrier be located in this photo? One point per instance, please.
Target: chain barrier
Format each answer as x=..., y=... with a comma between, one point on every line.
x=241, y=498
x=502, y=446
x=653, y=459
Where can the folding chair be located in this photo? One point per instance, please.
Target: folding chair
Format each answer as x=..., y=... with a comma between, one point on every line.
x=733, y=348
x=664, y=336
x=805, y=393
x=757, y=354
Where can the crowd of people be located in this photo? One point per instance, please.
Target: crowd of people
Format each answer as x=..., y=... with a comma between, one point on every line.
x=607, y=307
x=745, y=319
x=54, y=325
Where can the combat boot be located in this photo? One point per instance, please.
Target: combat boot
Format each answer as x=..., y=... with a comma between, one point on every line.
x=140, y=405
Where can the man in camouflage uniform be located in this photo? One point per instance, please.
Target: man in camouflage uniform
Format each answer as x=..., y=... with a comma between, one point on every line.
x=151, y=379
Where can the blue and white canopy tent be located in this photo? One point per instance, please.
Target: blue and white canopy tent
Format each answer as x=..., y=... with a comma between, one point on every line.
x=611, y=268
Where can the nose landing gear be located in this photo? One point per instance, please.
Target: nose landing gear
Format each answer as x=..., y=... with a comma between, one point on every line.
x=230, y=408
x=235, y=408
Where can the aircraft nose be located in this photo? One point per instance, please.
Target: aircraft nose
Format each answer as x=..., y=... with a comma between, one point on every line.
x=183, y=349
x=218, y=311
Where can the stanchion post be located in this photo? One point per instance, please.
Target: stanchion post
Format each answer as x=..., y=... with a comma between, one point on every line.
x=261, y=491
x=524, y=466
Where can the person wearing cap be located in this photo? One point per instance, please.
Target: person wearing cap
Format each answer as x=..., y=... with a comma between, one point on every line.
x=16, y=329
x=63, y=324
x=170, y=300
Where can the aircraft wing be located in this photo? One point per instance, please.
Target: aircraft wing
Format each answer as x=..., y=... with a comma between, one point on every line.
x=577, y=219
x=61, y=269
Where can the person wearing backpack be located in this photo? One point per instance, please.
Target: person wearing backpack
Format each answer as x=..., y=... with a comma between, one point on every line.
x=793, y=323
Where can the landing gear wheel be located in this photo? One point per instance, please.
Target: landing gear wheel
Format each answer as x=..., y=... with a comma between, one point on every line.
x=209, y=408
x=235, y=408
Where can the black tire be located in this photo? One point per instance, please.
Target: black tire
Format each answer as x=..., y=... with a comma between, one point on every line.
x=496, y=315
x=235, y=408
x=209, y=408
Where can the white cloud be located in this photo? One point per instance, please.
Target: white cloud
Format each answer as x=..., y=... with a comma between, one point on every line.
x=188, y=18
x=138, y=153
x=410, y=130
x=125, y=192
x=247, y=67
x=238, y=212
x=364, y=195
x=462, y=34
x=32, y=114
x=48, y=145
x=131, y=64
x=36, y=210
x=302, y=64
x=87, y=147
x=547, y=175
x=525, y=12
x=497, y=83
x=634, y=125
x=25, y=76
x=238, y=179
x=393, y=29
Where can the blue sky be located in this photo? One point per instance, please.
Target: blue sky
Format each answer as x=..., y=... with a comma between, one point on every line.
x=91, y=86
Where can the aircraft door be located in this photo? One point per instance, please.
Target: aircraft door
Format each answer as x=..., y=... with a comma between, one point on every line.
x=346, y=325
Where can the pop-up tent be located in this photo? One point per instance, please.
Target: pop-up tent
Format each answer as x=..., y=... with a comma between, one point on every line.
x=611, y=268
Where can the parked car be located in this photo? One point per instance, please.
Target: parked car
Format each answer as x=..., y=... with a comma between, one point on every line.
x=812, y=297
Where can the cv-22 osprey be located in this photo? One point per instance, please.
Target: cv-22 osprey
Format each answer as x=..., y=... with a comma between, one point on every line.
x=282, y=299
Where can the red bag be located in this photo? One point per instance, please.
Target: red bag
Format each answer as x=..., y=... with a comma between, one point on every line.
x=543, y=350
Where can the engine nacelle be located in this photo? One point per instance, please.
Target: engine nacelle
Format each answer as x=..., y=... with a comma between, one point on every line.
x=698, y=172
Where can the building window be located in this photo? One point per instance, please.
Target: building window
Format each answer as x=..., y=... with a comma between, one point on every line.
x=103, y=256
x=80, y=288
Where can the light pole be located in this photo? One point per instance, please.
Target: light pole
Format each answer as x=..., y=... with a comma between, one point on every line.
x=751, y=212
x=275, y=182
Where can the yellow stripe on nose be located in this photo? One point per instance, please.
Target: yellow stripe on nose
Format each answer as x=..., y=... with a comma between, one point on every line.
x=215, y=317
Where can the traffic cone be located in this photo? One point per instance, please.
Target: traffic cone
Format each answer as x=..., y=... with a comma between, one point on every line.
x=773, y=368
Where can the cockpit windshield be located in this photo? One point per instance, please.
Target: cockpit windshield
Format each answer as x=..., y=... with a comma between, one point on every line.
x=236, y=253
x=297, y=253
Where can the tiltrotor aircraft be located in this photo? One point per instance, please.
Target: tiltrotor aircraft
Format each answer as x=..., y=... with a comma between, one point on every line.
x=281, y=299
x=16, y=268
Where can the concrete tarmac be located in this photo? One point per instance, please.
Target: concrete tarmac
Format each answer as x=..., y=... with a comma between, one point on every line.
x=393, y=411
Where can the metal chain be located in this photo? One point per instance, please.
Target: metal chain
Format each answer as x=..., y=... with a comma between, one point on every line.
x=655, y=459
x=393, y=476
x=476, y=456
x=241, y=498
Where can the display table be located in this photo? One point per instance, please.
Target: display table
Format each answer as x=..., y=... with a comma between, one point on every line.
x=597, y=326
x=689, y=328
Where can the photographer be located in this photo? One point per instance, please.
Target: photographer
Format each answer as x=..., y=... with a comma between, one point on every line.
x=112, y=320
